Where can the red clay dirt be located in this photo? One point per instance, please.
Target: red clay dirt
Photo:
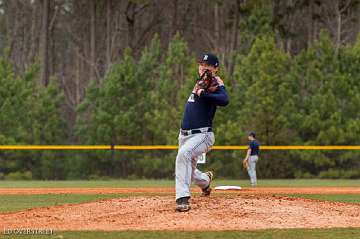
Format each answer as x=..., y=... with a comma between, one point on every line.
x=247, y=209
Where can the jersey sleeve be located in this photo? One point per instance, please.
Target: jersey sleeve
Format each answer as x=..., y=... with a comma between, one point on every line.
x=252, y=146
x=219, y=97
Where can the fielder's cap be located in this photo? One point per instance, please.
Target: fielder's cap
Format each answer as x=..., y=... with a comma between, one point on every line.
x=252, y=134
x=209, y=59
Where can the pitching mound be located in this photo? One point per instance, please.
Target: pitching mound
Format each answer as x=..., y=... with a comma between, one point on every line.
x=219, y=212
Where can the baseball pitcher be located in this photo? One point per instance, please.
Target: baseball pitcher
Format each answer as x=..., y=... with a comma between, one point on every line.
x=196, y=135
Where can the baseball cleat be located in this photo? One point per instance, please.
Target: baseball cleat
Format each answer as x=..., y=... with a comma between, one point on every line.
x=207, y=191
x=182, y=204
x=210, y=174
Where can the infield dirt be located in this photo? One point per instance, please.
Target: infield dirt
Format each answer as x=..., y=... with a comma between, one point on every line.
x=245, y=210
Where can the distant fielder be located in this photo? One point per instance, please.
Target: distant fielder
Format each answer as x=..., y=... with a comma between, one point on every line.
x=196, y=135
x=252, y=156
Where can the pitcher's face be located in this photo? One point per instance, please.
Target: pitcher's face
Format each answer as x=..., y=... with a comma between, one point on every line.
x=203, y=67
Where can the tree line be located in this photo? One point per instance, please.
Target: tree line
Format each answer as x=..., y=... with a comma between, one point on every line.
x=119, y=72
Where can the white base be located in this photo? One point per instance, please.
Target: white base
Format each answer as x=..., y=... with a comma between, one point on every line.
x=227, y=188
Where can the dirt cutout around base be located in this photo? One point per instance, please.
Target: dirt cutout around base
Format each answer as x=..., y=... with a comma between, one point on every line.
x=219, y=212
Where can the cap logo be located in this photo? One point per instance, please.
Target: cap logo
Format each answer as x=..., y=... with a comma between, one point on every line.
x=205, y=57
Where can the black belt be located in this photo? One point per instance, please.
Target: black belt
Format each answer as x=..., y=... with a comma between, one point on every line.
x=194, y=131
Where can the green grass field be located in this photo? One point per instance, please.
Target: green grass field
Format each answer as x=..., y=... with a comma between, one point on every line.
x=170, y=183
x=20, y=202
x=10, y=203
x=346, y=198
x=338, y=233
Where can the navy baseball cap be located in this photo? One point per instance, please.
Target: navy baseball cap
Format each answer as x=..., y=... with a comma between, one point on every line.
x=252, y=134
x=209, y=59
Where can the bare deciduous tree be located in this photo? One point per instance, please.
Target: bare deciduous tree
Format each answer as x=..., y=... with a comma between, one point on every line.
x=44, y=43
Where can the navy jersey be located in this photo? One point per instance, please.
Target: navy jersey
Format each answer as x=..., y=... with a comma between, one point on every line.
x=200, y=110
x=254, y=147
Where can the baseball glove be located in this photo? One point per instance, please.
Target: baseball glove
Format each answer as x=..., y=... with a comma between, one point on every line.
x=245, y=164
x=207, y=82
